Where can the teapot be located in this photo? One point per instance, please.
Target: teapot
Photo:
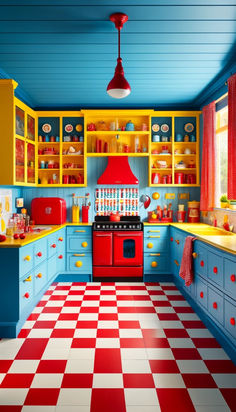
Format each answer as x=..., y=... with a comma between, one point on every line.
x=129, y=126
x=91, y=127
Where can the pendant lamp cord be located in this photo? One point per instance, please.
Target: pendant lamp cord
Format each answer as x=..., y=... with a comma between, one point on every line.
x=119, y=43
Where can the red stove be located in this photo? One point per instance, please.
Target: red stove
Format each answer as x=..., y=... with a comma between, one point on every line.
x=118, y=247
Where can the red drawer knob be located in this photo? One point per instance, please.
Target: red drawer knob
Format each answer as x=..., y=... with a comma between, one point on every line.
x=26, y=295
x=171, y=239
x=215, y=270
x=39, y=254
x=60, y=257
x=54, y=245
x=232, y=278
x=202, y=263
x=215, y=305
x=232, y=321
x=201, y=295
x=60, y=239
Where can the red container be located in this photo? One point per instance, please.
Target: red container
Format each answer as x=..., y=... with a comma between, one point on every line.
x=179, y=178
x=48, y=210
x=193, y=212
x=156, y=178
x=65, y=179
x=180, y=216
x=169, y=179
x=85, y=214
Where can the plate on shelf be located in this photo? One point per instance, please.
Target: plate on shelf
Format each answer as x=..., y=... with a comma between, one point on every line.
x=69, y=128
x=188, y=127
x=164, y=128
x=155, y=127
x=46, y=128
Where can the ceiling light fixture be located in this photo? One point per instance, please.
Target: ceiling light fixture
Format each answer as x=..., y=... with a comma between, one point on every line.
x=118, y=86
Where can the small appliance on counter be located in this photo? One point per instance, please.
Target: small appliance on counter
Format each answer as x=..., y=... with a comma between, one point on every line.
x=48, y=210
x=193, y=212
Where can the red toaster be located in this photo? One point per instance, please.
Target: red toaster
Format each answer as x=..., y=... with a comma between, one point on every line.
x=48, y=210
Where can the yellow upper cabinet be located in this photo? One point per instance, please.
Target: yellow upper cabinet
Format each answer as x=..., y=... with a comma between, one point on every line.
x=18, y=138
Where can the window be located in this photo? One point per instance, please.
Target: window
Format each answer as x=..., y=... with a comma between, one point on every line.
x=221, y=153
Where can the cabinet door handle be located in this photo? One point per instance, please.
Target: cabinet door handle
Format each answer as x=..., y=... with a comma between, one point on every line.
x=54, y=245
x=28, y=279
x=39, y=275
x=195, y=255
x=84, y=244
x=154, y=254
x=60, y=257
x=154, y=231
x=232, y=278
x=176, y=262
x=171, y=239
x=78, y=264
x=79, y=231
x=60, y=239
x=215, y=306
x=150, y=237
x=202, y=263
x=26, y=295
x=79, y=254
x=39, y=254
x=154, y=264
x=201, y=295
x=177, y=241
x=215, y=270
x=232, y=321
x=28, y=258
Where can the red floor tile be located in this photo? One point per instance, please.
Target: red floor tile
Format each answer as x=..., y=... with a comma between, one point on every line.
x=129, y=324
x=164, y=366
x=24, y=333
x=68, y=316
x=132, y=343
x=161, y=303
x=176, y=400
x=156, y=292
x=5, y=365
x=77, y=380
x=108, y=303
x=52, y=309
x=63, y=287
x=33, y=316
x=76, y=292
x=44, y=324
x=220, y=366
x=176, y=333
x=128, y=309
x=90, y=287
x=108, y=316
x=107, y=361
x=175, y=297
x=42, y=396
x=108, y=292
x=184, y=309
x=87, y=324
x=206, y=343
x=83, y=343
x=156, y=343
x=138, y=380
x=230, y=397
x=193, y=324
x=51, y=366
x=32, y=348
x=169, y=287
x=185, y=353
x=108, y=333
x=58, y=297
x=72, y=303
x=10, y=408
x=91, y=297
x=107, y=400
x=17, y=380
x=198, y=380
x=168, y=316
x=63, y=333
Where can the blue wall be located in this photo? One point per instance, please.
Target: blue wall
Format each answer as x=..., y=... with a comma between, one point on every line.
x=96, y=167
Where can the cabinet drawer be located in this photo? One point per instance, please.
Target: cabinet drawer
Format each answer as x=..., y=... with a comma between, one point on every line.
x=79, y=230
x=230, y=276
x=230, y=318
x=156, y=264
x=52, y=245
x=26, y=290
x=40, y=277
x=215, y=268
x=79, y=244
x=201, y=292
x=40, y=251
x=216, y=305
x=78, y=263
x=51, y=267
x=200, y=259
x=162, y=231
x=26, y=258
x=156, y=244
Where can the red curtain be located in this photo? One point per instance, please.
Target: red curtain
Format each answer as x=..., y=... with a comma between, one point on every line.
x=207, y=199
x=232, y=137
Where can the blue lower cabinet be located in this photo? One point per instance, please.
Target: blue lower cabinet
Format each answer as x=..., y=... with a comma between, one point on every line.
x=26, y=258
x=79, y=244
x=230, y=318
x=78, y=263
x=191, y=289
x=156, y=264
x=40, y=251
x=61, y=251
x=215, y=305
x=215, y=268
x=201, y=291
x=230, y=277
x=200, y=259
x=79, y=231
x=156, y=243
x=51, y=245
x=26, y=290
x=40, y=277
x=51, y=267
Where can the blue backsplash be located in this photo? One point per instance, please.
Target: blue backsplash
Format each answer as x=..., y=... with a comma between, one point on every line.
x=96, y=166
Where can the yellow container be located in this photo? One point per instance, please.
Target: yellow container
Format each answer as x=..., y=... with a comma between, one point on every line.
x=75, y=214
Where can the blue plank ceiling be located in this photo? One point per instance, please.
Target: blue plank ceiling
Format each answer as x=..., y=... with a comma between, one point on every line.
x=63, y=52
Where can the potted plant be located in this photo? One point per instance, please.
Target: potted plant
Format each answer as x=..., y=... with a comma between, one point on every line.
x=224, y=201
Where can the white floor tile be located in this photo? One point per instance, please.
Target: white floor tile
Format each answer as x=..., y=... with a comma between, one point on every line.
x=88, y=316
x=214, y=408
x=12, y=396
x=65, y=324
x=70, y=309
x=60, y=292
x=9, y=348
x=181, y=303
x=181, y=343
x=130, y=333
x=226, y=380
x=55, y=303
x=47, y=380
x=128, y=316
x=81, y=353
x=206, y=397
x=168, y=380
x=78, y=287
x=40, y=333
x=55, y=343
x=133, y=353
x=45, y=297
x=79, y=366
x=23, y=366
x=135, y=366
x=108, y=309
x=74, y=397
x=107, y=324
x=28, y=324
x=85, y=333
x=107, y=343
x=164, y=309
x=107, y=297
x=108, y=380
x=188, y=316
x=2, y=376
x=158, y=298
x=192, y=366
x=150, y=324
x=77, y=408
x=126, y=304
x=141, y=396
x=74, y=298
x=90, y=303
x=38, y=309
x=56, y=353
x=199, y=333
x=173, y=292
x=213, y=353
x=44, y=408
x=146, y=408
x=159, y=353
x=171, y=324
x=108, y=287
x=48, y=316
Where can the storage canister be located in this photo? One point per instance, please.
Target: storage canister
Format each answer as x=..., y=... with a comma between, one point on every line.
x=193, y=212
x=179, y=178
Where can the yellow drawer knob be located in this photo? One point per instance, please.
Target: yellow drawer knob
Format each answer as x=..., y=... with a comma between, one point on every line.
x=150, y=245
x=154, y=264
x=39, y=275
x=28, y=258
x=194, y=255
x=28, y=279
x=78, y=264
x=84, y=244
x=60, y=239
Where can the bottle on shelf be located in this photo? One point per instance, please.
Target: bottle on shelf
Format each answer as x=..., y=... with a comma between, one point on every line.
x=136, y=144
x=75, y=209
x=113, y=145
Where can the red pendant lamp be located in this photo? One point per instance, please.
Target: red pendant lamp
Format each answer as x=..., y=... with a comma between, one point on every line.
x=118, y=86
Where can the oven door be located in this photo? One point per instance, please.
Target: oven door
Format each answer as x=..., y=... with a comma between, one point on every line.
x=102, y=248
x=128, y=249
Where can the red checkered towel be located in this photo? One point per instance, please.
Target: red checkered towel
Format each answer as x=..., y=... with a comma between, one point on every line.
x=186, y=268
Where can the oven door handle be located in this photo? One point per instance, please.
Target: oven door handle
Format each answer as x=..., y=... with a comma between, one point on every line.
x=135, y=235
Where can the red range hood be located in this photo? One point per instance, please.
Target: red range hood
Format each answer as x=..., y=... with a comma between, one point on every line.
x=118, y=172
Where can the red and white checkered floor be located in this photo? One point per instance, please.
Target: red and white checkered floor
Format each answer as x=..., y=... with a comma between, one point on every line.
x=115, y=347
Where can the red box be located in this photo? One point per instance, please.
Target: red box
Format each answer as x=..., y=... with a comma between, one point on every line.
x=48, y=210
